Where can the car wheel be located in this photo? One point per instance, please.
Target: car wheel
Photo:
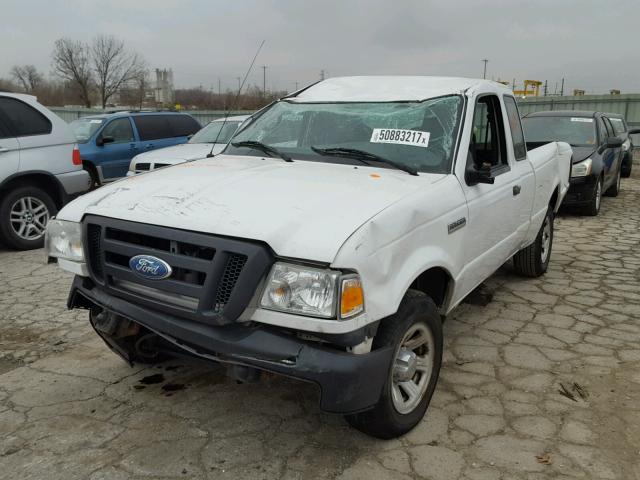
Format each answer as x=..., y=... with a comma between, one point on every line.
x=24, y=213
x=594, y=206
x=533, y=261
x=415, y=331
x=614, y=189
x=626, y=165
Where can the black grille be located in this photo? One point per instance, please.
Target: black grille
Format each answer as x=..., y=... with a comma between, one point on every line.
x=160, y=165
x=142, y=167
x=213, y=278
x=232, y=271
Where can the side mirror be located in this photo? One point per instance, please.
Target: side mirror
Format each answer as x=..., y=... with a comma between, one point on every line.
x=635, y=131
x=101, y=141
x=475, y=175
x=614, y=142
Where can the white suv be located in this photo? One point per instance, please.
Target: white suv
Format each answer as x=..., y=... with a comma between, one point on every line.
x=40, y=169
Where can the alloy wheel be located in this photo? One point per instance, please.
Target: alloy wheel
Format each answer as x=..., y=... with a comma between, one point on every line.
x=28, y=217
x=412, y=368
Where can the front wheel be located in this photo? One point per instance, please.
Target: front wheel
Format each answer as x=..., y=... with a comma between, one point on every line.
x=533, y=261
x=24, y=213
x=593, y=208
x=415, y=331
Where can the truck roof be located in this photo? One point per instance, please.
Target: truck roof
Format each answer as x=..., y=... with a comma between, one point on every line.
x=388, y=88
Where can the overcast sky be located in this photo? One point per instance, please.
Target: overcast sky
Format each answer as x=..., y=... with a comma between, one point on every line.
x=593, y=44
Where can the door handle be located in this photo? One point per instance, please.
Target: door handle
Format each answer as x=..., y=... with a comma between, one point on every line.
x=516, y=190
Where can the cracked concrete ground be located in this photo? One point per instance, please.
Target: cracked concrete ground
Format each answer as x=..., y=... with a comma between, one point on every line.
x=543, y=382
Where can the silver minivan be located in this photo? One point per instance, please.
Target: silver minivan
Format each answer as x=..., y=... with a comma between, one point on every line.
x=40, y=169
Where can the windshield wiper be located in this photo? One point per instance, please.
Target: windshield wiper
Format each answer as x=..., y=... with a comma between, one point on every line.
x=265, y=148
x=363, y=156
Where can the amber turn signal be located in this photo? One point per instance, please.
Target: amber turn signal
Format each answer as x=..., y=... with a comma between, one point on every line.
x=352, y=297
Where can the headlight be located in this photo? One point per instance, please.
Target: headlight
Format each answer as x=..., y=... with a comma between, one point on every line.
x=581, y=169
x=312, y=291
x=64, y=240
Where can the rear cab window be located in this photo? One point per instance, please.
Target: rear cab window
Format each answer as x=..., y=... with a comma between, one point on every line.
x=618, y=125
x=22, y=119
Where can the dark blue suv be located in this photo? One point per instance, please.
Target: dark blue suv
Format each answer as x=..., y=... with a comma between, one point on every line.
x=109, y=141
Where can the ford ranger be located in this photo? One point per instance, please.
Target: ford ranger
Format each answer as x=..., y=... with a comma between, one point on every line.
x=326, y=243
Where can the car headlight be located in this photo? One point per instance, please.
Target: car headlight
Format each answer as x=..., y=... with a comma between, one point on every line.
x=63, y=240
x=581, y=169
x=311, y=291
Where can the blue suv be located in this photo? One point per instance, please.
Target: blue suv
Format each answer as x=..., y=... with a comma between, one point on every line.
x=109, y=141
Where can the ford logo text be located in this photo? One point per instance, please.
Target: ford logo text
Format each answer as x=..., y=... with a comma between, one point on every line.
x=152, y=268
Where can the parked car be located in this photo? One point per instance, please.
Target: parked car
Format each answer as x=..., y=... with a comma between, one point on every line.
x=108, y=142
x=597, y=153
x=325, y=242
x=210, y=140
x=621, y=129
x=40, y=169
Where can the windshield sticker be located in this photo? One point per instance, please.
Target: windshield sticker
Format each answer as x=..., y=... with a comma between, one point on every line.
x=578, y=119
x=95, y=121
x=414, y=138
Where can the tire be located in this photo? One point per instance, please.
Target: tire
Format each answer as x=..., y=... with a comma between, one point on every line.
x=24, y=213
x=594, y=205
x=626, y=165
x=614, y=189
x=533, y=261
x=93, y=176
x=390, y=418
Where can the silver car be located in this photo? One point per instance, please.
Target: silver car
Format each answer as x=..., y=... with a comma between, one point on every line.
x=40, y=169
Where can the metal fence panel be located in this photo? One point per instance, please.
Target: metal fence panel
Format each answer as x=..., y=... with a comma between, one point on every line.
x=203, y=116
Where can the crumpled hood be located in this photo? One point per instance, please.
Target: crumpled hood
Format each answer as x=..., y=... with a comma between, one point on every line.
x=581, y=153
x=179, y=153
x=301, y=209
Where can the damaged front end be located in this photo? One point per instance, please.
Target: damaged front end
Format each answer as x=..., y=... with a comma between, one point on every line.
x=348, y=382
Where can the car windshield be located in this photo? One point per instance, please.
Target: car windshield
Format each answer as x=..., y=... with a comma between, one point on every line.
x=576, y=131
x=417, y=135
x=84, y=128
x=216, y=132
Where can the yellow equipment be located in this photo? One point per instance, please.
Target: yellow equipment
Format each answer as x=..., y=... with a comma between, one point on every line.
x=533, y=92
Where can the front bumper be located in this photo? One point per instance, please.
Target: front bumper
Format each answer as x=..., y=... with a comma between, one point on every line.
x=581, y=191
x=348, y=382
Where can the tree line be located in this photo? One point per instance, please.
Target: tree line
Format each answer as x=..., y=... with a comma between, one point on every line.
x=104, y=72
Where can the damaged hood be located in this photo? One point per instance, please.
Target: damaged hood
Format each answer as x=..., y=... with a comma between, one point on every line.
x=302, y=209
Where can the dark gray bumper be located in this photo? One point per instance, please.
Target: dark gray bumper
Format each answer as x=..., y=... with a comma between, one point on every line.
x=349, y=383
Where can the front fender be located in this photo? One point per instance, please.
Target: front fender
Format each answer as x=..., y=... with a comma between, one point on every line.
x=393, y=248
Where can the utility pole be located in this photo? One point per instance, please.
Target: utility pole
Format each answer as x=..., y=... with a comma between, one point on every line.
x=219, y=87
x=238, y=78
x=264, y=80
x=296, y=87
x=562, y=88
x=513, y=85
x=484, y=73
x=321, y=74
x=544, y=91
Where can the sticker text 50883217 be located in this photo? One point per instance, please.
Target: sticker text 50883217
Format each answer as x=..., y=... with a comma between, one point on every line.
x=414, y=138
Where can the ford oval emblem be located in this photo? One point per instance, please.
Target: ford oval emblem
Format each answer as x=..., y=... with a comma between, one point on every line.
x=152, y=268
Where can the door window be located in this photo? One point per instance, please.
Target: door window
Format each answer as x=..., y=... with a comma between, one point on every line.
x=153, y=127
x=517, y=137
x=23, y=119
x=487, y=147
x=120, y=130
x=4, y=131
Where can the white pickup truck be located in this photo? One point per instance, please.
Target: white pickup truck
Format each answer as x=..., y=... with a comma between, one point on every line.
x=326, y=243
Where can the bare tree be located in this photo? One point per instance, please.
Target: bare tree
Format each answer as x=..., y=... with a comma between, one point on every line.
x=71, y=61
x=113, y=65
x=27, y=76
